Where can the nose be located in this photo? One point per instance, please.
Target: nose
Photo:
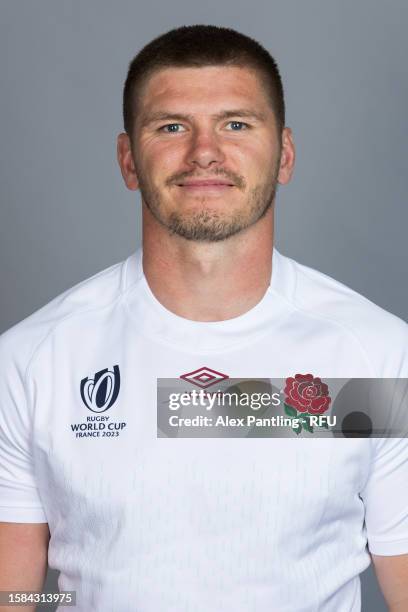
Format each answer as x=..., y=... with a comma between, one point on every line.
x=205, y=148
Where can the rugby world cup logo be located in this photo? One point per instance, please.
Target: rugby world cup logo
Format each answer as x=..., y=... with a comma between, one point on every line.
x=100, y=392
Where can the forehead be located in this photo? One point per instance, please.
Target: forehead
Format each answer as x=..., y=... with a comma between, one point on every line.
x=203, y=88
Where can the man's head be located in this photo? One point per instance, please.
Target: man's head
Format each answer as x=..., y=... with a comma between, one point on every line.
x=205, y=104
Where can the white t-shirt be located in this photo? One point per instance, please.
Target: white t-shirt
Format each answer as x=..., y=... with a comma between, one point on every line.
x=144, y=523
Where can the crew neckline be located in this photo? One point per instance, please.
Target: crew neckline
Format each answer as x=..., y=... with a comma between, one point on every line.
x=156, y=321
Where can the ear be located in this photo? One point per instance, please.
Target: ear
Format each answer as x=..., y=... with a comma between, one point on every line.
x=126, y=163
x=288, y=155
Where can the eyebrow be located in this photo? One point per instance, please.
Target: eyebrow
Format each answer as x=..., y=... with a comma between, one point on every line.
x=167, y=116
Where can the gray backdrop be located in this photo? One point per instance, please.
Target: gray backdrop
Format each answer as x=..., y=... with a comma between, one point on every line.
x=65, y=213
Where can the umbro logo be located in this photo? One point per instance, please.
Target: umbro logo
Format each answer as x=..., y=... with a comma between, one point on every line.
x=100, y=392
x=204, y=377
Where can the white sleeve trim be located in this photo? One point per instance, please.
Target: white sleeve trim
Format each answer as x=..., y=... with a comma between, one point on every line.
x=22, y=515
x=392, y=547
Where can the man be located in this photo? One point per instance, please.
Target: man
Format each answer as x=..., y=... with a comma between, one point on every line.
x=138, y=522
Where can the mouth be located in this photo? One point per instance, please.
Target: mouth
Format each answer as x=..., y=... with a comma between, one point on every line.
x=206, y=186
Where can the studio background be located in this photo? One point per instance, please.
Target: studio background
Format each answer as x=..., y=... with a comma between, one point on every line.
x=65, y=212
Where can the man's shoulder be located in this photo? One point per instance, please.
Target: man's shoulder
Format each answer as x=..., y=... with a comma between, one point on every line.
x=377, y=331
x=92, y=294
x=333, y=299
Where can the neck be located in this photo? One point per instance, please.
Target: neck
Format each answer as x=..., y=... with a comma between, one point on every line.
x=208, y=281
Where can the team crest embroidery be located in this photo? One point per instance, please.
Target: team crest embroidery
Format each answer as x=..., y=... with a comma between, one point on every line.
x=306, y=396
x=100, y=392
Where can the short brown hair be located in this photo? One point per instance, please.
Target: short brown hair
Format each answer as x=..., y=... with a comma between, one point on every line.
x=198, y=46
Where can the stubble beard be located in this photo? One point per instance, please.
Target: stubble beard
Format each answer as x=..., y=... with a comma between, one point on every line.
x=208, y=225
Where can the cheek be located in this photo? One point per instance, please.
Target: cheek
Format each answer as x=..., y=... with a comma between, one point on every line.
x=161, y=161
x=253, y=158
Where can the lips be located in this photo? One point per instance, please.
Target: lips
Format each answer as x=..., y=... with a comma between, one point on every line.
x=206, y=183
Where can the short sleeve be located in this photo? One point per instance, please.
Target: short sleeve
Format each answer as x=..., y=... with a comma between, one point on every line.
x=385, y=497
x=19, y=497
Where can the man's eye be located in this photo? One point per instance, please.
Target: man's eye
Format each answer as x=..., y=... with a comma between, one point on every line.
x=237, y=126
x=171, y=128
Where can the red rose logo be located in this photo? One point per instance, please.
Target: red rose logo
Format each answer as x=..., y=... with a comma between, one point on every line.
x=306, y=393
